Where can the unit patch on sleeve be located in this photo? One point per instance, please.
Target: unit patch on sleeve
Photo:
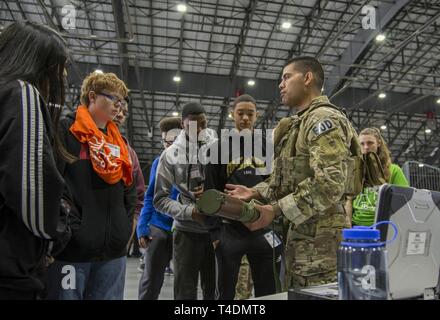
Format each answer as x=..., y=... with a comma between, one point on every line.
x=322, y=127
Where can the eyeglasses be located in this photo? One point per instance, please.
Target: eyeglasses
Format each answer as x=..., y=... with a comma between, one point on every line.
x=168, y=142
x=124, y=112
x=120, y=103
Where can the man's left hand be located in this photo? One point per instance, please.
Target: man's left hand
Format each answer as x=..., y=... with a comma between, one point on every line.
x=267, y=215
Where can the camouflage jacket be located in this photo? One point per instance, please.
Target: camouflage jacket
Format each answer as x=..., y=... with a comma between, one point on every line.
x=312, y=149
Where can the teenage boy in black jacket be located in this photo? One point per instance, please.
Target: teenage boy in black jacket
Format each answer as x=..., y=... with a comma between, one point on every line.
x=93, y=264
x=232, y=239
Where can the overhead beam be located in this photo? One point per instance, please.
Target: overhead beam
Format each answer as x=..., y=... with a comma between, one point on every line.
x=220, y=86
x=208, y=52
x=180, y=59
x=296, y=47
x=151, y=79
x=384, y=15
x=174, y=44
x=118, y=14
x=250, y=10
x=269, y=113
x=58, y=28
x=274, y=26
x=408, y=66
x=411, y=139
x=223, y=113
x=399, y=129
x=327, y=44
x=20, y=8
x=425, y=76
x=436, y=157
x=208, y=60
x=89, y=21
x=140, y=80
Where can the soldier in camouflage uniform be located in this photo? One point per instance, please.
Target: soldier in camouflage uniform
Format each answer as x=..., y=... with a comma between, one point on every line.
x=310, y=177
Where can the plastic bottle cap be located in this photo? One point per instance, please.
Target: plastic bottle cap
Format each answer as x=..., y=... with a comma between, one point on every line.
x=361, y=234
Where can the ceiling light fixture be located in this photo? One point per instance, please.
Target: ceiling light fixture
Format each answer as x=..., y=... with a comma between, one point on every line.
x=380, y=37
x=182, y=7
x=286, y=25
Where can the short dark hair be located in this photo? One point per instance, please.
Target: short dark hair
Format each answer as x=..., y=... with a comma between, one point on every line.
x=243, y=98
x=192, y=108
x=170, y=123
x=309, y=64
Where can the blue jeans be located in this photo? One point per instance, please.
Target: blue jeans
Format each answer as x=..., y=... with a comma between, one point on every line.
x=104, y=280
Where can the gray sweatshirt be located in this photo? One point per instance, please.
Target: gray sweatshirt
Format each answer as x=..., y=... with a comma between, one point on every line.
x=174, y=169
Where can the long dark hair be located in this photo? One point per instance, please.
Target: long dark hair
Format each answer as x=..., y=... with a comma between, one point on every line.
x=37, y=54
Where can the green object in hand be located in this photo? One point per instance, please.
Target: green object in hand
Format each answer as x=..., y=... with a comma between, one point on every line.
x=216, y=203
x=249, y=212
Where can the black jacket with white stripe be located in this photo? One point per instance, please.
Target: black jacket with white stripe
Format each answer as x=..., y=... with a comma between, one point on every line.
x=30, y=187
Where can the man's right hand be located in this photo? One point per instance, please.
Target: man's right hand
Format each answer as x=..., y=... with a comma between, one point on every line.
x=144, y=242
x=241, y=192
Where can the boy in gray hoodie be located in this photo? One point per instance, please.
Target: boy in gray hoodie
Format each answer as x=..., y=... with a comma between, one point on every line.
x=180, y=166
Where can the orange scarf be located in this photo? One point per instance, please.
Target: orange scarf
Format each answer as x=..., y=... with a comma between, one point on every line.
x=106, y=163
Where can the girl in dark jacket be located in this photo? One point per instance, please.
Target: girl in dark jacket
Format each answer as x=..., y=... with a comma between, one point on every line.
x=32, y=72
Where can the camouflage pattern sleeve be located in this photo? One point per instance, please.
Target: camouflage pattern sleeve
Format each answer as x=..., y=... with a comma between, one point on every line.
x=328, y=148
x=264, y=190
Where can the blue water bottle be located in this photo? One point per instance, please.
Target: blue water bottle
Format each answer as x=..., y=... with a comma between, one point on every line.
x=362, y=264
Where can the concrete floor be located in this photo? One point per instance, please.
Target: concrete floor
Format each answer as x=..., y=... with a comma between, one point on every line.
x=132, y=277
